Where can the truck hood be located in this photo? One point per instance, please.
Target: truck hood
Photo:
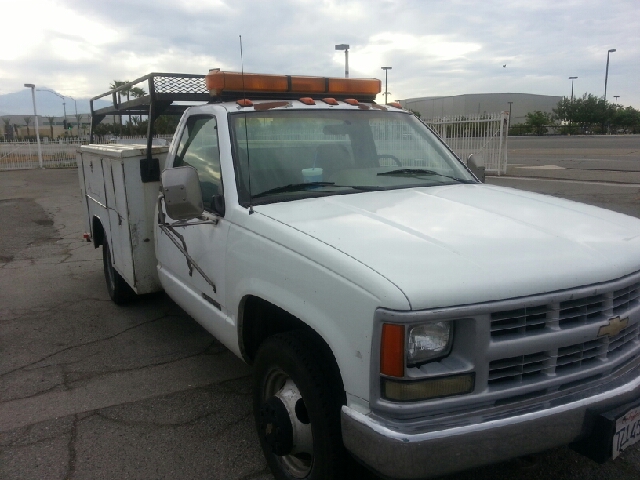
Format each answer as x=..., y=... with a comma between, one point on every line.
x=464, y=244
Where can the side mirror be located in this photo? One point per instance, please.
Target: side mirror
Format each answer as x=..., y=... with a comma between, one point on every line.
x=476, y=165
x=182, y=193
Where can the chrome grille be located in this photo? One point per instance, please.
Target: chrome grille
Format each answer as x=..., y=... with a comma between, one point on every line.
x=519, y=321
x=563, y=363
x=581, y=311
x=580, y=355
x=515, y=369
x=509, y=324
x=568, y=359
x=625, y=298
x=626, y=339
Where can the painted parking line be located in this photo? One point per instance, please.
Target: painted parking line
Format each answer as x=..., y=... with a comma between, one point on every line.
x=562, y=180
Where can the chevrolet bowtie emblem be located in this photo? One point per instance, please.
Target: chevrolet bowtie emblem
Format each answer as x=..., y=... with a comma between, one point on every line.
x=614, y=327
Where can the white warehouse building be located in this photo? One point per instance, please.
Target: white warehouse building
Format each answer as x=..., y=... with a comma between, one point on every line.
x=481, y=103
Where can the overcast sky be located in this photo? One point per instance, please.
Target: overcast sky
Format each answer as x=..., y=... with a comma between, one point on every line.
x=78, y=47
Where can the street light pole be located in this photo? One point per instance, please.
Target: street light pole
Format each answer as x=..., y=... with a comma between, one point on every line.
x=35, y=114
x=386, y=89
x=345, y=47
x=510, y=103
x=64, y=106
x=75, y=104
x=572, y=79
x=606, y=75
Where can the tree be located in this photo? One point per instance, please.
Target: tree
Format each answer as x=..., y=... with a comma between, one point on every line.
x=626, y=118
x=8, y=131
x=27, y=121
x=166, y=124
x=51, y=120
x=137, y=92
x=113, y=86
x=591, y=112
x=538, y=121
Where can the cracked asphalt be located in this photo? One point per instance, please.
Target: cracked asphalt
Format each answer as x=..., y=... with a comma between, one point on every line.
x=90, y=390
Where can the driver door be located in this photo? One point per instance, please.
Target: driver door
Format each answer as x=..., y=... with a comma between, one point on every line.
x=200, y=291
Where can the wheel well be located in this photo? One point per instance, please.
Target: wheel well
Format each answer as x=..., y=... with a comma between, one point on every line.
x=260, y=319
x=97, y=232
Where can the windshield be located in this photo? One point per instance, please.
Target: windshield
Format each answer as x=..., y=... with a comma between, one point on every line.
x=284, y=155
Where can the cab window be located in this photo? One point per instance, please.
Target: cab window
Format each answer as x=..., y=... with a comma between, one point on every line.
x=199, y=149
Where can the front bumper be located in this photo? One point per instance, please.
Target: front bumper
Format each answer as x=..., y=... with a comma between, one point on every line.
x=402, y=450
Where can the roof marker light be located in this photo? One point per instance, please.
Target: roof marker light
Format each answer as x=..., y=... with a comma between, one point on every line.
x=307, y=101
x=351, y=101
x=245, y=102
x=395, y=104
x=330, y=101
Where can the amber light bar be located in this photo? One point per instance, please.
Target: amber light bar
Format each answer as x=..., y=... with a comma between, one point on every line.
x=219, y=83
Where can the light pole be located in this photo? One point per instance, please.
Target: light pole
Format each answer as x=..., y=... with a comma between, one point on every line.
x=386, y=89
x=616, y=97
x=510, y=103
x=606, y=74
x=75, y=105
x=345, y=47
x=35, y=114
x=64, y=106
x=572, y=79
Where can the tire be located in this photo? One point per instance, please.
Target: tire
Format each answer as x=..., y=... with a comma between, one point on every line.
x=287, y=365
x=119, y=291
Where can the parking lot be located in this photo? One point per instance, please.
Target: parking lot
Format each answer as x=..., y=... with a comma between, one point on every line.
x=90, y=390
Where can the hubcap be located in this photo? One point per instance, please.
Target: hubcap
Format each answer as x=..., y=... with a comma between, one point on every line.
x=285, y=424
x=276, y=425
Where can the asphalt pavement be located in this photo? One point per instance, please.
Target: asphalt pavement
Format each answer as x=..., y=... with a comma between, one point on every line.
x=90, y=390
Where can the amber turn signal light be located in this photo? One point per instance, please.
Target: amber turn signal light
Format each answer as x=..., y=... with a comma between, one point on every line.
x=392, y=350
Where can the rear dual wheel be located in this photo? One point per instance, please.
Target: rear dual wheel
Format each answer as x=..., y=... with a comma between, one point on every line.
x=119, y=291
x=297, y=409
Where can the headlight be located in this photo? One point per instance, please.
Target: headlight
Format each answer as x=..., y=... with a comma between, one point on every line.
x=428, y=341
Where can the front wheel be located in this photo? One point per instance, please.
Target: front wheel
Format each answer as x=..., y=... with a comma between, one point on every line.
x=119, y=291
x=297, y=409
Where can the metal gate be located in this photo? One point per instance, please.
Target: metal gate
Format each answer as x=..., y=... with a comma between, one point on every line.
x=24, y=155
x=483, y=135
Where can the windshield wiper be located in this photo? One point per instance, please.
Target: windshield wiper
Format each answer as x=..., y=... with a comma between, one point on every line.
x=292, y=187
x=422, y=171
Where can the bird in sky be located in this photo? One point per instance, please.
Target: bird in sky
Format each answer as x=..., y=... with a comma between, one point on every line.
x=504, y=66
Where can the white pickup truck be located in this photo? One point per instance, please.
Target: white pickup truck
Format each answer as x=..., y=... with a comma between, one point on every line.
x=392, y=305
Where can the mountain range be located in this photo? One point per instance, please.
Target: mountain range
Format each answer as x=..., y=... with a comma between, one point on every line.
x=47, y=104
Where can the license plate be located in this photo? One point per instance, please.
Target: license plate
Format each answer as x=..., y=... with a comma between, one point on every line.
x=627, y=431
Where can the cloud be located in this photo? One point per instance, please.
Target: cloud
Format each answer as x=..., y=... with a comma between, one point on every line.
x=434, y=48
